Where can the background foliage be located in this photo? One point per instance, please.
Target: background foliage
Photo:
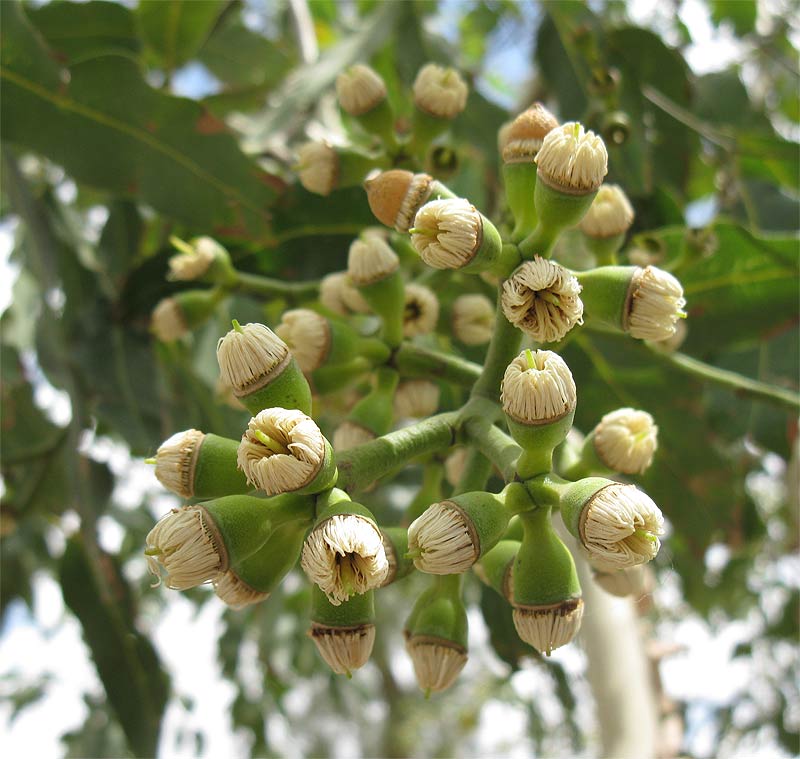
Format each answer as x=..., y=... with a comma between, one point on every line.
x=105, y=156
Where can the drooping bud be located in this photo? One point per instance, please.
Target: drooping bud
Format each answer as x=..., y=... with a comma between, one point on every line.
x=454, y=465
x=349, y=435
x=436, y=635
x=344, y=633
x=307, y=335
x=547, y=602
x=450, y=536
x=323, y=168
x=495, y=568
x=253, y=579
x=538, y=396
x=344, y=553
x=542, y=298
x=420, y=311
x=283, y=451
x=617, y=524
x=453, y=234
x=416, y=399
x=177, y=315
x=610, y=214
x=473, y=319
x=646, y=303
x=633, y=581
x=194, y=464
x=440, y=92
x=259, y=368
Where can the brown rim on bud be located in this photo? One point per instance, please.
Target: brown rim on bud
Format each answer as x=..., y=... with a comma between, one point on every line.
x=526, y=134
x=455, y=543
x=548, y=626
x=176, y=461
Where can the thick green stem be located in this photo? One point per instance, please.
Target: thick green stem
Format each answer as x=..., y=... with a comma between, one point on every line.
x=477, y=469
x=540, y=242
x=546, y=489
x=493, y=443
x=258, y=285
x=731, y=380
x=502, y=350
x=364, y=464
x=415, y=361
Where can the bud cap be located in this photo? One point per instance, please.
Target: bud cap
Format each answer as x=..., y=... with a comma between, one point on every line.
x=360, y=89
x=538, y=388
x=440, y=91
x=447, y=233
x=656, y=304
x=307, y=335
x=625, y=440
x=609, y=215
x=572, y=160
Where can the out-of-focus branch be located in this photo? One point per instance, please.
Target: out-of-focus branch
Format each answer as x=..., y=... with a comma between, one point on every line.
x=304, y=26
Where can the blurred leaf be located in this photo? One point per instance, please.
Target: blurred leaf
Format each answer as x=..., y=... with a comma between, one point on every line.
x=164, y=149
x=126, y=661
x=121, y=239
x=502, y=633
x=174, y=30
x=742, y=13
x=79, y=31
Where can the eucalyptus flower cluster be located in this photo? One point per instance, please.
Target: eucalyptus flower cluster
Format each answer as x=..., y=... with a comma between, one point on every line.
x=439, y=346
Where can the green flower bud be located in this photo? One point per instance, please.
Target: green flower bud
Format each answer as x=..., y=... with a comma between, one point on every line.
x=179, y=314
x=395, y=196
x=201, y=258
x=195, y=464
x=323, y=168
x=451, y=535
x=251, y=580
x=344, y=553
x=345, y=634
x=646, y=303
x=495, y=568
x=436, y=635
x=196, y=543
x=538, y=396
x=257, y=365
x=283, y=451
x=617, y=524
x=608, y=219
x=546, y=595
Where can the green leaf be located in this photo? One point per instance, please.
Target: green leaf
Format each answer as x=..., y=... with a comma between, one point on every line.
x=175, y=30
x=167, y=151
x=121, y=239
x=136, y=685
x=79, y=31
x=742, y=13
x=502, y=633
x=744, y=287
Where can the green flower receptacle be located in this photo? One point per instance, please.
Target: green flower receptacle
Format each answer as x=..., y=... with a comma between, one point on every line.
x=496, y=567
x=574, y=498
x=285, y=387
x=538, y=441
x=215, y=470
x=375, y=411
x=386, y=298
x=440, y=613
x=520, y=182
x=605, y=295
x=357, y=610
x=486, y=514
x=326, y=475
x=544, y=570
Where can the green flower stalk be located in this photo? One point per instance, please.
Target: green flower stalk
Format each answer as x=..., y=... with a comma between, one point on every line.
x=195, y=544
x=522, y=142
x=344, y=553
x=542, y=298
x=571, y=165
x=196, y=464
x=645, y=303
x=538, y=397
x=323, y=168
x=547, y=602
x=618, y=525
x=252, y=580
x=179, y=314
x=316, y=341
x=450, y=536
x=344, y=634
x=257, y=365
x=284, y=451
x=495, y=568
x=608, y=219
x=436, y=635
x=202, y=258
x=396, y=195
x=374, y=269
x=375, y=411
x=362, y=95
